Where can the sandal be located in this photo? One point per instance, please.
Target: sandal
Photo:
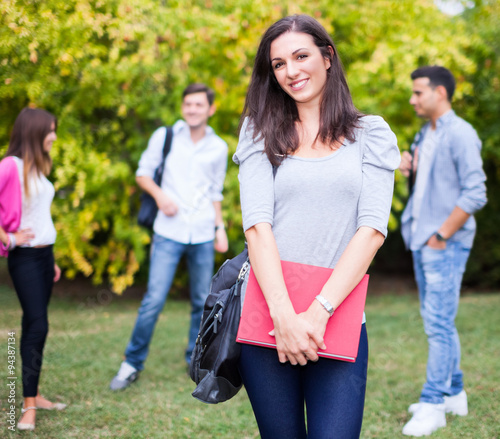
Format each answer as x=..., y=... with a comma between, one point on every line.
x=25, y=425
x=54, y=406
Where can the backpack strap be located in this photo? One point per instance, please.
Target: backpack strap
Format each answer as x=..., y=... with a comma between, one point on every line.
x=166, y=149
x=168, y=142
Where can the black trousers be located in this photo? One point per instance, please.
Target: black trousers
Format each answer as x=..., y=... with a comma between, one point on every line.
x=32, y=272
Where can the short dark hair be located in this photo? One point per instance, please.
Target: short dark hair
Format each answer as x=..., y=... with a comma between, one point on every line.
x=199, y=88
x=273, y=112
x=437, y=76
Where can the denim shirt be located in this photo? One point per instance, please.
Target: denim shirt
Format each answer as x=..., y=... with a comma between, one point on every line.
x=456, y=178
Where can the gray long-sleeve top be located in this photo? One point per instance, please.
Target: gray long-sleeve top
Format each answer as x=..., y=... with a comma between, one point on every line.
x=315, y=206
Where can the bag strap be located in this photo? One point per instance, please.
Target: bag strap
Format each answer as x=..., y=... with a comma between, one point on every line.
x=244, y=269
x=166, y=149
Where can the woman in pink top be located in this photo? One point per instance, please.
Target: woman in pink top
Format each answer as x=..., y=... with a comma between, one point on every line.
x=27, y=235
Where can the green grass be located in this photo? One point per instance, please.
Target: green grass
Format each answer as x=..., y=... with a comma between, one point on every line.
x=87, y=338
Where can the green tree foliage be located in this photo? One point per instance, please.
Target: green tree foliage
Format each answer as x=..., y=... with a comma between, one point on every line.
x=114, y=70
x=482, y=108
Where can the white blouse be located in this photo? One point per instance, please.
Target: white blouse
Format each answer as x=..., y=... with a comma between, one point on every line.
x=35, y=213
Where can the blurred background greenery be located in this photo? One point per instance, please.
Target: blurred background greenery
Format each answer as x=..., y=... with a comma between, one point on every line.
x=114, y=70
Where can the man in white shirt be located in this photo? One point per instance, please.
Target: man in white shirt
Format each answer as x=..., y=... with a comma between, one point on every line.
x=189, y=220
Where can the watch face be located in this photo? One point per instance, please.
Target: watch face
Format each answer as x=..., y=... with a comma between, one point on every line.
x=440, y=237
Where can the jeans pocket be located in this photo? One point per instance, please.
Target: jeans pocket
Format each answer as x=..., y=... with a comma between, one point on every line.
x=433, y=253
x=435, y=265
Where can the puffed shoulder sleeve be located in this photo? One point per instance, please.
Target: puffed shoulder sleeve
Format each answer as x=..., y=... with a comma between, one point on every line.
x=256, y=179
x=381, y=157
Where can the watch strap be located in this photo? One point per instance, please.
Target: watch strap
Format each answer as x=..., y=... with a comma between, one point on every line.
x=440, y=237
x=327, y=305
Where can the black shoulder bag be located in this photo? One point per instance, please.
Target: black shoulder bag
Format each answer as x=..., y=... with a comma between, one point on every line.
x=214, y=362
x=149, y=209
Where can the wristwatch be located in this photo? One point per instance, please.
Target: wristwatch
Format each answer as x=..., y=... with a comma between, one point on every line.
x=440, y=237
x=220, y=226
x=327, y=305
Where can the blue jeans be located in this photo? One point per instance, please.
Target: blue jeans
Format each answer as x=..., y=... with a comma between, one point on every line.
x=439, y=277
x=333, y=393
x=165, y=256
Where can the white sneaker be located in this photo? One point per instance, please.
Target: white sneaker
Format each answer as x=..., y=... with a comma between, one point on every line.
x=125, y=376
x=456, y=404
x=426, y=420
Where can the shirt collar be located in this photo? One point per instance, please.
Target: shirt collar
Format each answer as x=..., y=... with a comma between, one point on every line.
x=445, y=118
x=182, y=126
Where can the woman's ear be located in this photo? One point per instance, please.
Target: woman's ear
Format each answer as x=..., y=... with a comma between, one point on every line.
x=328, y=60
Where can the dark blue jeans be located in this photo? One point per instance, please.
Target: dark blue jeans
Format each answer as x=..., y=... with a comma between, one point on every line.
x=32, y=273
x=333, y=393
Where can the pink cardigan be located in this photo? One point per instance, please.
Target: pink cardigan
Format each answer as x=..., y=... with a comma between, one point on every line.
x=10, y=198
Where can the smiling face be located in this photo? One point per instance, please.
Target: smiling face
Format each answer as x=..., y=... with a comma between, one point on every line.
x=196, y=109
x=50, y=138
x=299, y=67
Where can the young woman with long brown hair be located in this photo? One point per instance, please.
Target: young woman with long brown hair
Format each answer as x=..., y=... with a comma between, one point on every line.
x=27, y=235
x=316, y=182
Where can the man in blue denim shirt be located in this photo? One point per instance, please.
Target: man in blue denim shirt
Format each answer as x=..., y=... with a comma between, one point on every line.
x=448, y=186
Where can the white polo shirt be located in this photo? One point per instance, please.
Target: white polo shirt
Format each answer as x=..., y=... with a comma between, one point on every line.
x=193, y=178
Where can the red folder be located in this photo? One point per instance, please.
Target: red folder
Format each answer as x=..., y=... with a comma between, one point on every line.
x=303, y=283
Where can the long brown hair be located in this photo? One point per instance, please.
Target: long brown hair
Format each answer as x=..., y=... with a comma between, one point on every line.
x=26, y=142
x=273, y=112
